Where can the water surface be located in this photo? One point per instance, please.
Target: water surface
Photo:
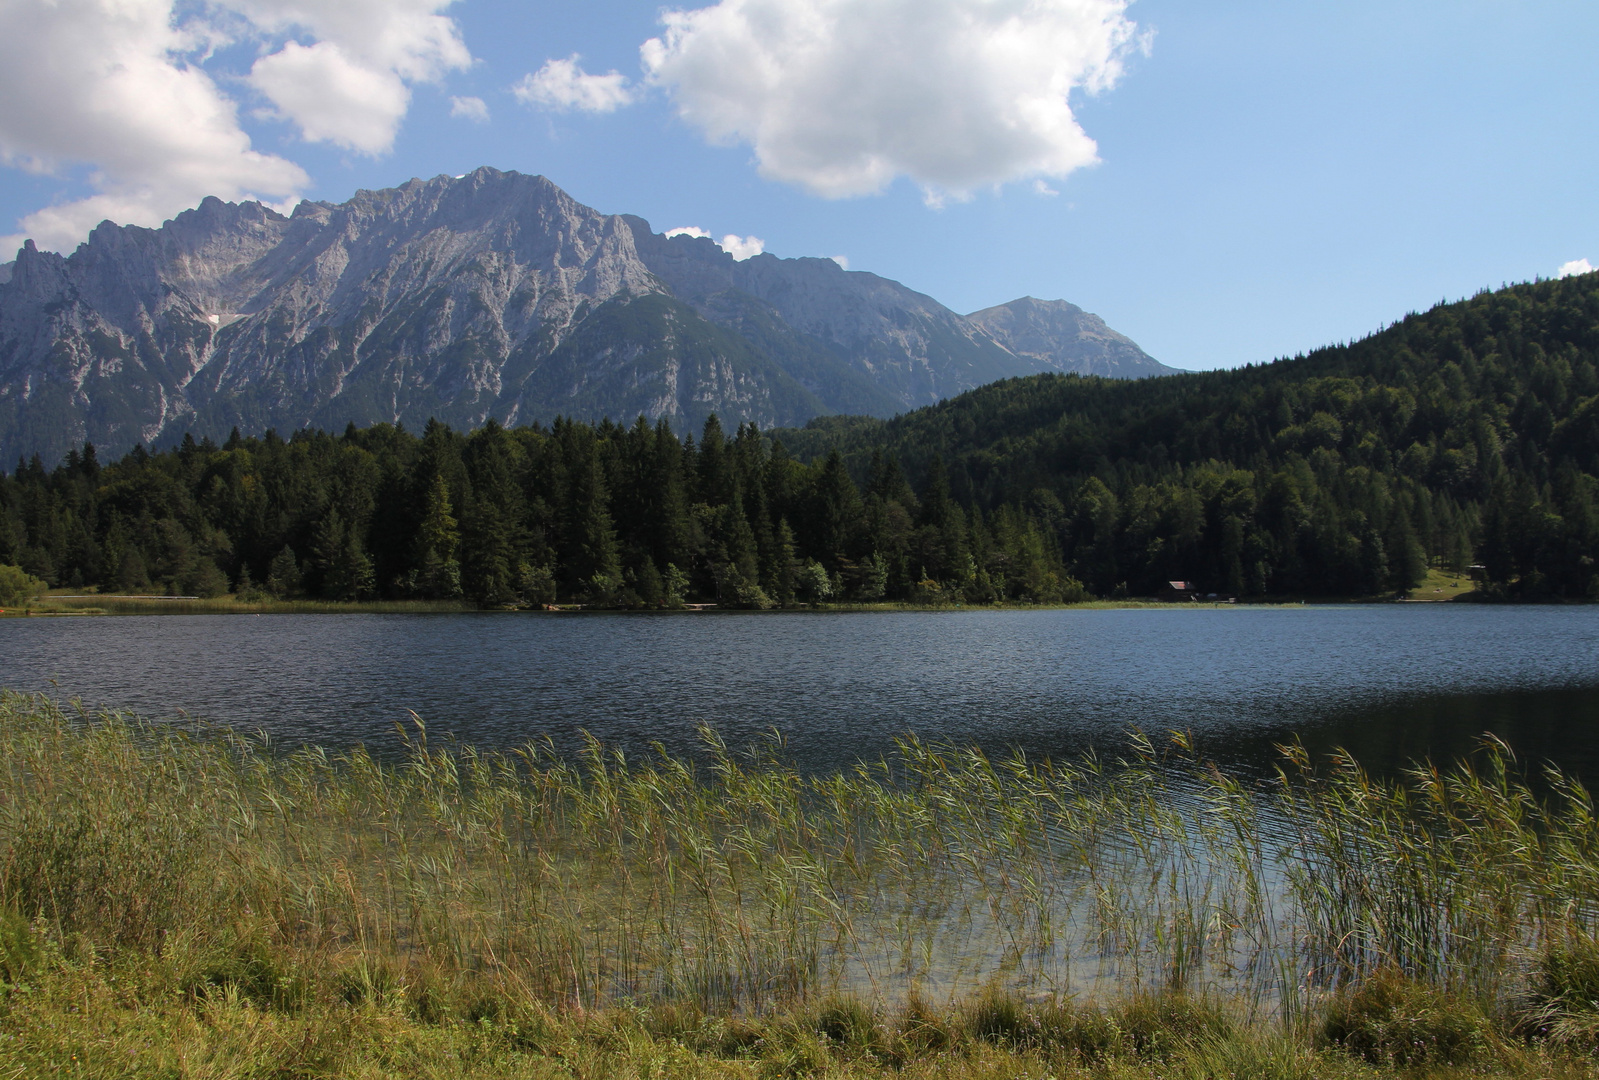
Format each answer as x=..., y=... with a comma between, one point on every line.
x=1390, y=681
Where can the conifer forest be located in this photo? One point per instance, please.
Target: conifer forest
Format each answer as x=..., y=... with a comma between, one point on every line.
x=1466, y=435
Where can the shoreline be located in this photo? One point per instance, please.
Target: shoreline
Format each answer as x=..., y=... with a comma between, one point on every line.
x=78, y=606
x=202, y=897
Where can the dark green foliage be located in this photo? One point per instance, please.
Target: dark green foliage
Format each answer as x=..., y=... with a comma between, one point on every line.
x=1156, y=1026
x=1161, y=1025
x=251, y=968
x=1564, y=1004
x=1467, y=433
x=1463, y=435
x=19, y=950
x=1568, y=974
x=1391, y=1019
x=17, y=585
x=851, y=1023
x=593, y=514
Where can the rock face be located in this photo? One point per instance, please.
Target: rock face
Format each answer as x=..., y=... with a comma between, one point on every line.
x=1064, y=337
x=489, y=295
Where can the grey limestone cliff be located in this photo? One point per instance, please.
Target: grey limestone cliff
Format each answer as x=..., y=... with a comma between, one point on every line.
x=488, y=295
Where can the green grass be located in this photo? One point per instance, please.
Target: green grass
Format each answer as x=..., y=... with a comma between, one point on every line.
x=68, y=605
x=191, y=903
x=228, y=605
x=1443, y=585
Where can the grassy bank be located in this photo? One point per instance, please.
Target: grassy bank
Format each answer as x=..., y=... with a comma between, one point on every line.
x=196, y=904
x=89, y=604
x=67, y=605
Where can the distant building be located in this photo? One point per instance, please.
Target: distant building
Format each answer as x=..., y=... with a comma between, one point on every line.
x=1180, y=590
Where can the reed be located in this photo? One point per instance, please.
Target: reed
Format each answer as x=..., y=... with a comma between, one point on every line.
x=232, y=605
x=523, y=889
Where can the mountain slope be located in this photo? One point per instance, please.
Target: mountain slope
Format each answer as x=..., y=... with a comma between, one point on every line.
x=1468, y=434
x=459, y=298
x=914, y=348
x=1063, y=337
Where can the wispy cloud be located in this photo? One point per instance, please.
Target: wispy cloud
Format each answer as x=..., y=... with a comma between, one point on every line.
x=564, y=86
x=474, y=109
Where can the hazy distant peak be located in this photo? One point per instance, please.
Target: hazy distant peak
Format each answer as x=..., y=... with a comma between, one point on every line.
x=1063, y=337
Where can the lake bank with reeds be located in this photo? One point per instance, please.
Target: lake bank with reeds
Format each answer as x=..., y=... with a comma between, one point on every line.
x=91, y=604
x=948, y=913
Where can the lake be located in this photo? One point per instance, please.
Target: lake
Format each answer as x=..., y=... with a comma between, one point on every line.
x=1390, y=682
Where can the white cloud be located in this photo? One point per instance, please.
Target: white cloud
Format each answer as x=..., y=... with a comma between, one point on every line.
x=119, y=86
x=843, y=96
x=351, y=86
x=332, y=97
x=111, y=84
x=474, y=109
x=1574, y=267
x=1042, y=188
x=742, y=247
x=407, y=37
x=563, y=85
x=842, y=260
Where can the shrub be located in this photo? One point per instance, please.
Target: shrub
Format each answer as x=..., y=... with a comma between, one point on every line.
x=1392, y=1019
x=19, y=950
x=999, y=1017
x=250, y=968
x=17, y=586
x=922, y=1028
x=1084, y=1033
x=850, y=1023
x=1565, y=1000
x=1158, y=1025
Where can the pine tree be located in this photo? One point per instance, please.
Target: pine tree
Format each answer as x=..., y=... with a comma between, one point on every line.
x=836, y=512
x=589, y=555
x=716, y=480
x=283, y=576
x=438, y=568
x=782, y=568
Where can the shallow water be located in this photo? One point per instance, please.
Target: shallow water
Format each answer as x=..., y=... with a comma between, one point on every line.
x=1392, y=682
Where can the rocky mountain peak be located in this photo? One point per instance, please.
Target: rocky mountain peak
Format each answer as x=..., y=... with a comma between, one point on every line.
x=493, y=294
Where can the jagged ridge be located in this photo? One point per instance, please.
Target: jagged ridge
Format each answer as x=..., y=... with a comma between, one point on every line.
x=489, y=295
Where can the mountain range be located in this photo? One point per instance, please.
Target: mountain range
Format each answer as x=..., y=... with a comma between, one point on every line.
x=489, y=295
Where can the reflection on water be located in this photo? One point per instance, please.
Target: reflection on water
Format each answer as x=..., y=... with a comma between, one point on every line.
x=1390, y=682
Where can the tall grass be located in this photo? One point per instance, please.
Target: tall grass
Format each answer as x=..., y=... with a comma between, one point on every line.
x=232, y=605
x=735, y=882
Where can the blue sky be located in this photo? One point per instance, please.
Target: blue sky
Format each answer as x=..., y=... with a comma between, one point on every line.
x=1270, y=176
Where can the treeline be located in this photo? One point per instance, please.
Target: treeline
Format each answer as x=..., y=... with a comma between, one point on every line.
x=597, y=514
x=1468, y=434
x=1465, y=435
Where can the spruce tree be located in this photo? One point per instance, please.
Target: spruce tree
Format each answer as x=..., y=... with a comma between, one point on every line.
x=438, y=568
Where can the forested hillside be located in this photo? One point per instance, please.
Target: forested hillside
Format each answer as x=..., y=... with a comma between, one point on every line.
x=1466, y=434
